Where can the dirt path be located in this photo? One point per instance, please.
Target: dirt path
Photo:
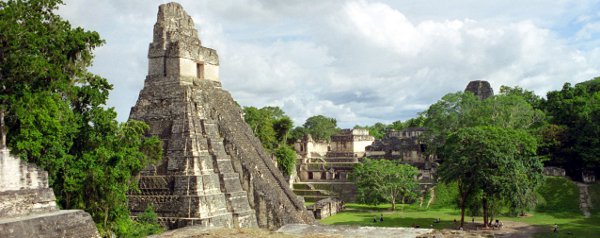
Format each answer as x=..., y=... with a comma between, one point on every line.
x=584, y=199
x=510, y=229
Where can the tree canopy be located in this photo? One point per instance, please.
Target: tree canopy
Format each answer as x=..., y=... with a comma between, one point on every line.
x=272, y=127
x=380, y=181
x=499, y=162
x=321, y=127
x=484, y=145
x=461, y=110
x=575, y=114
x=56, y=115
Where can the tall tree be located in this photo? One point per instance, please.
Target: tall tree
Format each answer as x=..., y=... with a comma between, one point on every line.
x=462, y=110
x=56, y=115
x=500, y=162
x=384, y=181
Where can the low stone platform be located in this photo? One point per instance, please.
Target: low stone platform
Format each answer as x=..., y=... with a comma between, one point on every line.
x=28, y=206
x=65, y=223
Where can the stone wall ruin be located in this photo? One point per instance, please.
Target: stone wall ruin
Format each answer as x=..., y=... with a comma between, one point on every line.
x=28, y=206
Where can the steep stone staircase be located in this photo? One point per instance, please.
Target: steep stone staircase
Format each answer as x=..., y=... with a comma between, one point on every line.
x=585, y=202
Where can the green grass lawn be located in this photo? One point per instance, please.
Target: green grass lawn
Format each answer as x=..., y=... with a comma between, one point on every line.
x=559, y=205
x=362, y=215
x=359, y=214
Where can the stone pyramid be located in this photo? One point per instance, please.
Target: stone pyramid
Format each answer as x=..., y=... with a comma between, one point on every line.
x=480, y=88
x=214, y=171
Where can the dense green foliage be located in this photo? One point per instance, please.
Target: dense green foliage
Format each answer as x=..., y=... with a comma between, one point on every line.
x=378, y=130
x=320, y=127
x=446, y=195
x=461, y=110
x=286, y=159
x=379, y=181
x=147, y=225
x=262, y=121
x=491, y=164
x=488, y=147
x=272, y=127
x=575, y=110
x=56, y=113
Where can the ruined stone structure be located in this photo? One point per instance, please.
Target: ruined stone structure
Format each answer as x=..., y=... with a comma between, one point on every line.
x=400, y=145
x=27, y=205
x=350, y=143
x=309, y=148
x=406, y=147
x=214, y=171
x=554, y=171
x=326, y=207
x=588, y=176
x=481, y=89
x=324, y=167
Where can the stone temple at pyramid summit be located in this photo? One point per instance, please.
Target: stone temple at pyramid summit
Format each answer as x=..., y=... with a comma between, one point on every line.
x=214, y=171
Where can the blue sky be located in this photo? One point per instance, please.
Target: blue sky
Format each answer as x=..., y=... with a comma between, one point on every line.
x=358, y=61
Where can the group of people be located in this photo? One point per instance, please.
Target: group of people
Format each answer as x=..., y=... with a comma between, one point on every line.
x=497, y=225
x=380, y=218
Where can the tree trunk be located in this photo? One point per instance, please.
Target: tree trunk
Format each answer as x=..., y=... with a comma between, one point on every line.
x=463, y=197
x=403, y=203
x=491, y=215
x=485, y=212
x=393, y=203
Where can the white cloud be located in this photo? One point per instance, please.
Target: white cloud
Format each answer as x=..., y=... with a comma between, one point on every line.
x=358, y=61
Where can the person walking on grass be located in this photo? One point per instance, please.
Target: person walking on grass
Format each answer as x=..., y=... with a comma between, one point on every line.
x=555, y=228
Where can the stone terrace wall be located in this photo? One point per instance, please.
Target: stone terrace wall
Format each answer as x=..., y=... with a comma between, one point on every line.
x=28, y=207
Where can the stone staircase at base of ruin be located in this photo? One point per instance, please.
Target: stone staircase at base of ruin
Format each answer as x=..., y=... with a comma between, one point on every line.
x=585, y=202
x=211, y=196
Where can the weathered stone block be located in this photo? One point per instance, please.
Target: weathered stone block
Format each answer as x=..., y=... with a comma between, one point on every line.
x=65, y=223
x=28, y=207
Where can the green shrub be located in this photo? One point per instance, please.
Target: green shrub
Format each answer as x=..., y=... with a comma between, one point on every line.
x=286, y=159
x=446, y=195
x=146, y=224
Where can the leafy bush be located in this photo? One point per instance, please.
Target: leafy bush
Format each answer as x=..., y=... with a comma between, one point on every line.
x=286, y=159
x=446, y=195
x=146, y=224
